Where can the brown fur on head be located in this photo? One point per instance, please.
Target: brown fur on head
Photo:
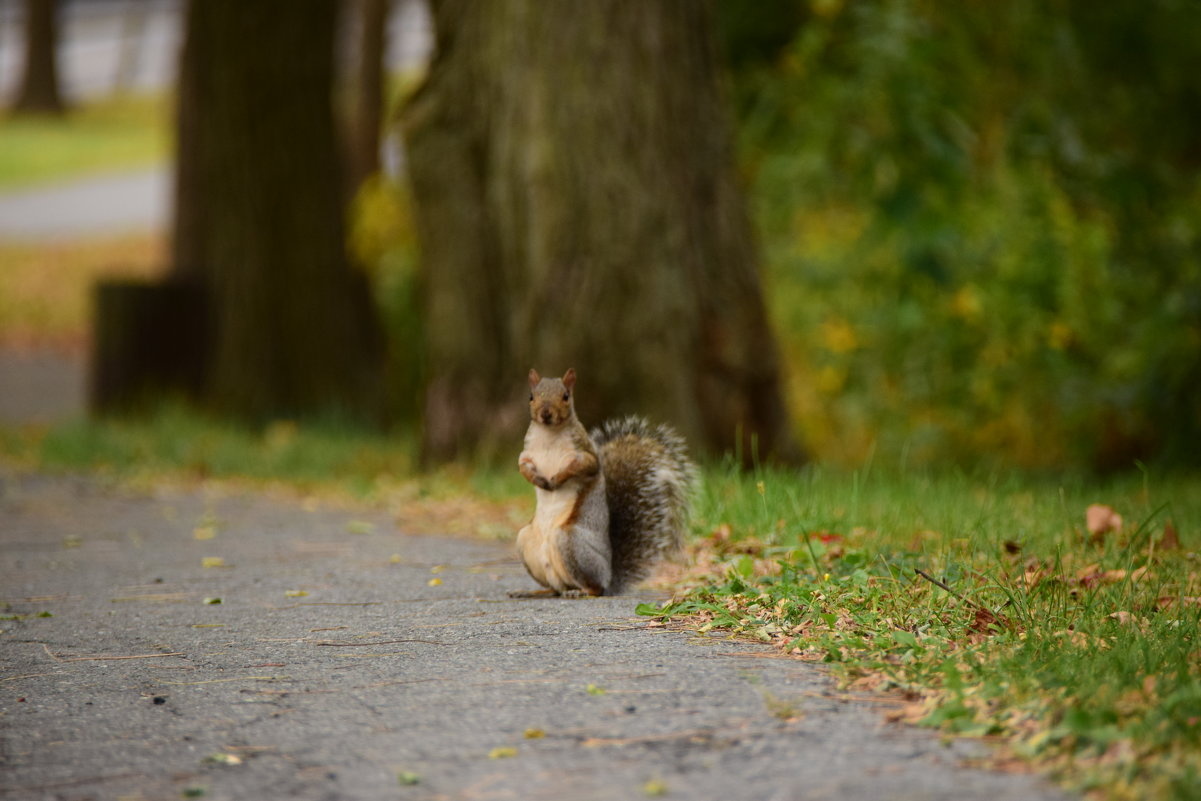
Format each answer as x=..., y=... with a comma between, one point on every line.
x=550, y=398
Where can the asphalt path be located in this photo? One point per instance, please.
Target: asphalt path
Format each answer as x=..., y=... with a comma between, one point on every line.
x=347, y=660
x=105, y=204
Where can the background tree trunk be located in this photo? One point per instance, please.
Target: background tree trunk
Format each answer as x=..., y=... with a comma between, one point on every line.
x=260, y=217
x=577, y=205
x=367, y=89
x=39, y=92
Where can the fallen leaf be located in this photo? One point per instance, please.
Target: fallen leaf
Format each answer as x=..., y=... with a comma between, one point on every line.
x=657, y=787
x=212, y=600
x=212, y=561
x=986, y=621
x=1101, y=520
x=1012, y=547
x=223, y=759
x=503, y=752
x=204, y=532
x=408, y=778
x=534, y=734
x=434, y=582
x=592, y=689
x=1169, y=601
x=296, y=593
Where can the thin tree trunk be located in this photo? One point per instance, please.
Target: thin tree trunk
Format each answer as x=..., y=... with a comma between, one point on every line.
x=368, y=89
x=260, y=217
x=39, y=92
x=577, y=205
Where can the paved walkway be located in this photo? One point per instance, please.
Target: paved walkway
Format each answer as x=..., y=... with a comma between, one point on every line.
x=344, y=655
x=106, y=204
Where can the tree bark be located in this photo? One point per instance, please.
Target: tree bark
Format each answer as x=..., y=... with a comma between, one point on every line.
x=368, y=90
x=577, y=205
x=39, y=92
x=259, y=221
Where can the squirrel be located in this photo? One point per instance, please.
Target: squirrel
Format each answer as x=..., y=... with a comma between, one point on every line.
x=610, y=504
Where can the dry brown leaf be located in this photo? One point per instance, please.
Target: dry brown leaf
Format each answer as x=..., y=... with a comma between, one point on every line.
x=1101, y=520
x=910, y=713
x=986, y=621
x=1170, y=601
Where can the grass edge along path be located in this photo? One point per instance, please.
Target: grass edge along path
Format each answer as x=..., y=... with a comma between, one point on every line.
x=1072, y=642
x=993, y=606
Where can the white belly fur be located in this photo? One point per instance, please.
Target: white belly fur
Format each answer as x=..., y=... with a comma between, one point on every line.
x=538, y=541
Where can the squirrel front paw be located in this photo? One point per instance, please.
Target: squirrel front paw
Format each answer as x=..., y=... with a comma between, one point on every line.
x=541, y=482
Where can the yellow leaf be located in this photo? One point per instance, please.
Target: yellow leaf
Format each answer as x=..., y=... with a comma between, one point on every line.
x=592, y=689
x=655, y=788
x=437, y=568
x=212, y=561
x=394, y=559
x=434, y=582
x=296, y=593
x=534, y=734
x=204, y=532
x=224, y=759
x=502, y=752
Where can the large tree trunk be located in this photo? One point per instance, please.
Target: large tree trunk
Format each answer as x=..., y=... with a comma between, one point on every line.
x=577, y=205
x=260, y=218
x=39, y=92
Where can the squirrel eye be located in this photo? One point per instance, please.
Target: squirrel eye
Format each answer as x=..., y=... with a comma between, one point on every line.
x=531, y=397
x=566, y=396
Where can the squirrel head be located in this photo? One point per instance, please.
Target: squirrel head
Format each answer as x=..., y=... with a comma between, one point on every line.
x=551, y=402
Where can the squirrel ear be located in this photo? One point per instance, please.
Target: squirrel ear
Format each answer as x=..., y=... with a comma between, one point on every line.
x=534, y=378
x=569, y=378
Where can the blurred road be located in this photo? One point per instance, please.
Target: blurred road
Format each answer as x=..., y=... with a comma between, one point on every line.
x=340, y=664
x=99, y=205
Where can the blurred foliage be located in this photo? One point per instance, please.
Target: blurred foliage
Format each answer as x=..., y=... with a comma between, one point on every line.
x=981, y=223
x=383, y=242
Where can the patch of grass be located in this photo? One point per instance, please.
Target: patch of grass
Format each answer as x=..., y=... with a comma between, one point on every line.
x=122, y=132
x=1082, y=652
x=330, y=461
x=45, y=289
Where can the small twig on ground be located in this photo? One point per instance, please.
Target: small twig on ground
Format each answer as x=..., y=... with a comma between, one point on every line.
x=937, y=583
x=378, y=642
x=985, y=617
x=109, y=658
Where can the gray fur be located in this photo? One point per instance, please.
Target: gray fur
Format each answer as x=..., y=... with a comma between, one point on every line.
x=649, y=481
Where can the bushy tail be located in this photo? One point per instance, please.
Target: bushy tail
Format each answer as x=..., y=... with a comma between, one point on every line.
x=649, y=481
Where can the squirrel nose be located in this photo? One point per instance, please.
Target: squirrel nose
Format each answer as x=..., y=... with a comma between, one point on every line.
x=546, y=415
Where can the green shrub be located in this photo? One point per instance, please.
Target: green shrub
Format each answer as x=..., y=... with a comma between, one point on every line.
x=982, y=229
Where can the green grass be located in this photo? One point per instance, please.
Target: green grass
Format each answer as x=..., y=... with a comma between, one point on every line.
x=1090, y=669
x=177, y=443
x=113, y=134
